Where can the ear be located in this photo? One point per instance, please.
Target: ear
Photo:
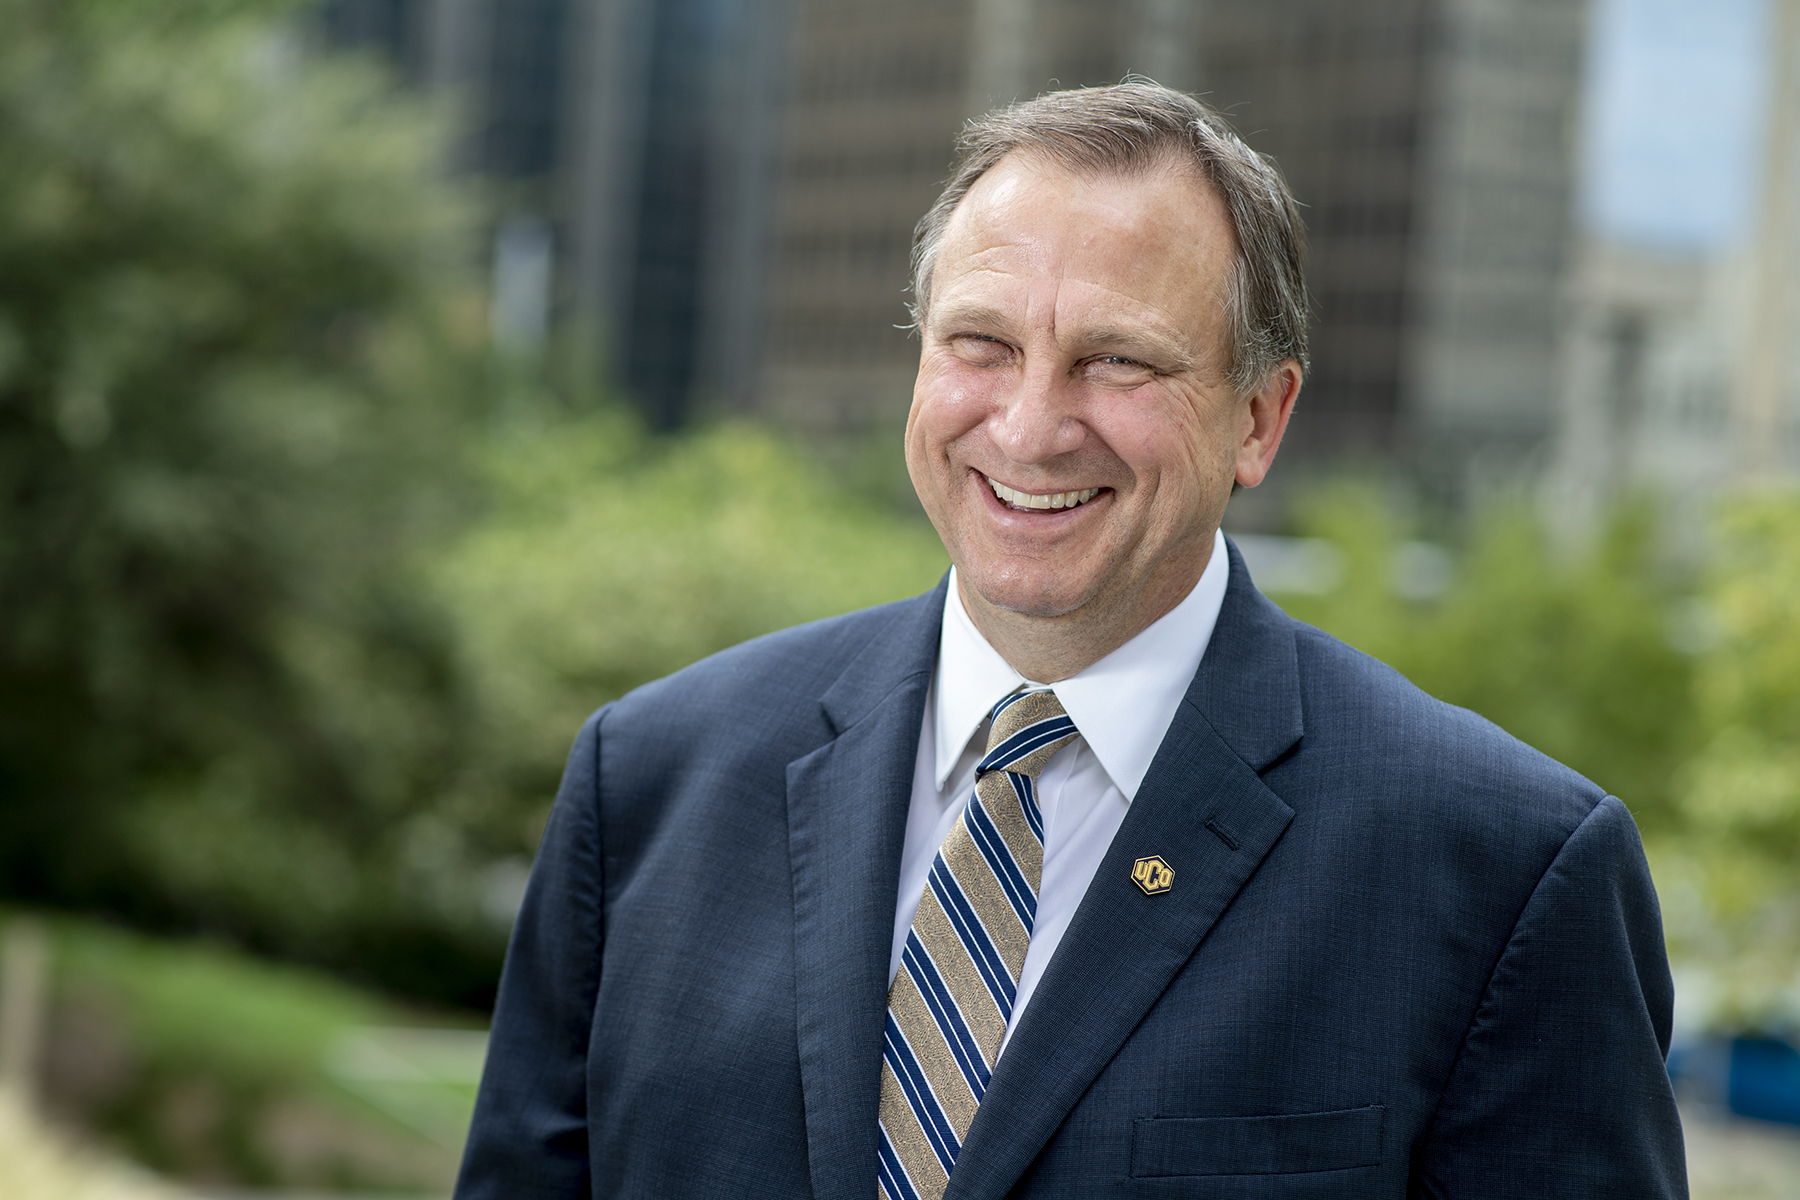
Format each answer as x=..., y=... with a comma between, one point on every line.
x=1270, y=406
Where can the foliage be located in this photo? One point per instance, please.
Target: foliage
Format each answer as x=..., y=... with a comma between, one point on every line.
x=1735, y=851
x=1573, y=653
x=293, y=653
x=1676, y=687
x=608, y=559
x=226, y=382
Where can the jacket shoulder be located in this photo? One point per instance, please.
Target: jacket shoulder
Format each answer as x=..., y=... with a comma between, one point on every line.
x=1378, y=734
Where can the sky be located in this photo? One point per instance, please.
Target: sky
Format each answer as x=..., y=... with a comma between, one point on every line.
x=1673, y=125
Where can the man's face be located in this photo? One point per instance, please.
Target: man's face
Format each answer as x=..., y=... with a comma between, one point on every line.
x=1072, y=435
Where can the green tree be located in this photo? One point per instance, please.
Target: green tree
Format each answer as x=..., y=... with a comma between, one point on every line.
x=228, y=373
x=608, y=558
x=305, y=591
x=1734, y=854
x=1678, y=688
x=1575, y=653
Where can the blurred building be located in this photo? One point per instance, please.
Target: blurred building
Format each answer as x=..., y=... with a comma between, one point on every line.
x=1659, y=349
x=1679, y=371
x=673, y=115
x=630, y=145
x=1646, y=369
x=731, y=199
x=1432, y=142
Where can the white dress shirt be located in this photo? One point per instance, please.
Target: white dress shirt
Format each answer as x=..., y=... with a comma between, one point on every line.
x=1123, y=705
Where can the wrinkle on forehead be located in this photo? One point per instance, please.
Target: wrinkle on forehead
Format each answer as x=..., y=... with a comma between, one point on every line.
x=1159, y=338
x=1138, y=259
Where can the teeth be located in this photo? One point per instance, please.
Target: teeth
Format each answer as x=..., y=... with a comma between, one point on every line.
x=1020, y=499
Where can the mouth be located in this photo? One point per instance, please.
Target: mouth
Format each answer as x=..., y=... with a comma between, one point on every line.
x=1046, y=502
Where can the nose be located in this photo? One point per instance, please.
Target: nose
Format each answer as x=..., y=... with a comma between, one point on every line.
x=1037, y=419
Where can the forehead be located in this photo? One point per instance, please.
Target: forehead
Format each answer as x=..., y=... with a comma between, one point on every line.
x=1050, y=244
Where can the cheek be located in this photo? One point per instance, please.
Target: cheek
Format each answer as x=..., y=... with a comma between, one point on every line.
x=1158, y=441
x=1180, y=452
x=1141, y=444
x=947, y=404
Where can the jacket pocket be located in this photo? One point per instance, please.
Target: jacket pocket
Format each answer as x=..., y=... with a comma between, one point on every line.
x=1280, y=1144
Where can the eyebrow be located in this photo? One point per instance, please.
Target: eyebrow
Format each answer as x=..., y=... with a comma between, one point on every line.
x=1159, y=349
x=967, y=316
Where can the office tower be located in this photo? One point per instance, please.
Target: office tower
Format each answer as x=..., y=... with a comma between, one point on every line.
x=1431, y=141
x=628, y=145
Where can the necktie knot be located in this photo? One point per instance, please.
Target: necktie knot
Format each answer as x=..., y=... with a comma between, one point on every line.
x=1027, y=728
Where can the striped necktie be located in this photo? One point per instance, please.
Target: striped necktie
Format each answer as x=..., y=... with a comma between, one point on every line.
x=953, y=994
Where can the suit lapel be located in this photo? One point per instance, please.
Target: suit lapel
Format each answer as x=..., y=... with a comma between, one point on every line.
x=1204, y=809
x=847, y=805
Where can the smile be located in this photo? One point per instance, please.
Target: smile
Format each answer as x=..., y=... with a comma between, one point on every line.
x=1013, y=498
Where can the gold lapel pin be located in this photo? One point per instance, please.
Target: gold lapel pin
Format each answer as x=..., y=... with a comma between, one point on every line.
x=1153, y=875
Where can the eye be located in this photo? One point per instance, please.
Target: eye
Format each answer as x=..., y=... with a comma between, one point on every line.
x=979, y=349
x=1118, y=370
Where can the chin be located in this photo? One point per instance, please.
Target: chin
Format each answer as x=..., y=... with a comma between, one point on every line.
x=1029, y=598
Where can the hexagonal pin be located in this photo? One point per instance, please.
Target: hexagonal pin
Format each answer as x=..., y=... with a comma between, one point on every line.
x=1152, y=875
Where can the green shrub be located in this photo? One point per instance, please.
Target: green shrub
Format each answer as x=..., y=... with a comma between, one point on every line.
x=1733, y=854
x=609, y=558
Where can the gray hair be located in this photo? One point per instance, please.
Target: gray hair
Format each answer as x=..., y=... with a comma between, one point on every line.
x=1136, y=126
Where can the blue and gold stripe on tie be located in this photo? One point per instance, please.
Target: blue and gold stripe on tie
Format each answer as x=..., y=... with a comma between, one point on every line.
x=951, y=1000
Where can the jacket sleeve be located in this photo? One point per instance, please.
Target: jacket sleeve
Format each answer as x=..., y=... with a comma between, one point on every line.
x=529, y=1137
x=1560, y=1087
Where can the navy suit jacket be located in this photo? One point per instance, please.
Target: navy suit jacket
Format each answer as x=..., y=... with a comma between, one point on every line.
x=1403, y=954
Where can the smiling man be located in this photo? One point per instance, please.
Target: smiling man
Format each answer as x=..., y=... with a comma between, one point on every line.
x=1076, y=427
x=1089, y=873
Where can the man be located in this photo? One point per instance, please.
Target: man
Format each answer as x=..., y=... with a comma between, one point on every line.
x=1226, y=911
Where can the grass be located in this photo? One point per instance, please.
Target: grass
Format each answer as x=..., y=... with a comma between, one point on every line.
x=211, y=1009
x=211, y=1065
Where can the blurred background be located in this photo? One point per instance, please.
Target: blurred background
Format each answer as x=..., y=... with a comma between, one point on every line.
x=384, y=384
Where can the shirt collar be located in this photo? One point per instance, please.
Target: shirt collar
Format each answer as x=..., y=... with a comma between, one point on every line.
x=1123, y=704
